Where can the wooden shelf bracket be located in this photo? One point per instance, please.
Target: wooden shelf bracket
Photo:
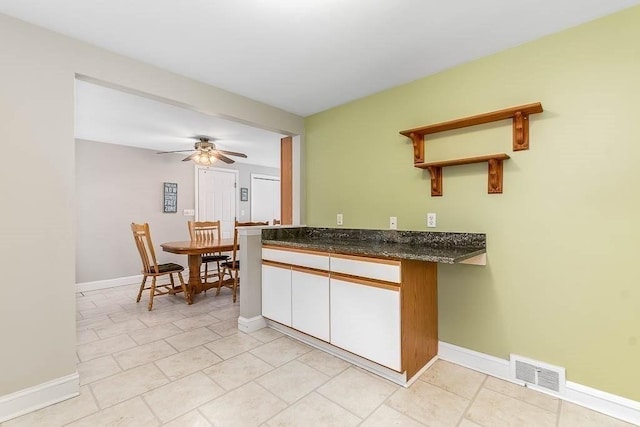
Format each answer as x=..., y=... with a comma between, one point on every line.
x=494, y=171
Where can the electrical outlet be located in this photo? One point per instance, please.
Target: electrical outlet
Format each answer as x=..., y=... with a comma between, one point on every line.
x=393, y=223
x=339, y=219
x=431, y=220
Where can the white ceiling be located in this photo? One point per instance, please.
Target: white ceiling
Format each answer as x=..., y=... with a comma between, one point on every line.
x=303, y=56
x=112, y=116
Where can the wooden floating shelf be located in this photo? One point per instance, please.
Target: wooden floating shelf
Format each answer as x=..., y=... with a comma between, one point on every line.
x=494, y=162
x=519, y=114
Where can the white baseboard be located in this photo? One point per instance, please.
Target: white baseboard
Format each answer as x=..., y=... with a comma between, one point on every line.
x=609, y=404
x=108, y=283
x=33, y=398
x=118, y=281
x=252, y=324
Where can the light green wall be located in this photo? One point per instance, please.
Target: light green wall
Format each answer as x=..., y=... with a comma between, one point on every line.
x=561, y=283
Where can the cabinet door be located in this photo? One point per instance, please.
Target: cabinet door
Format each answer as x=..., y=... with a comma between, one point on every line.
x=310, y=302
x=365, y=319
x=276, y=293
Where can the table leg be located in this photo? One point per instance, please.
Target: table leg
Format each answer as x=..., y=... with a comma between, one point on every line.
x=195, y=285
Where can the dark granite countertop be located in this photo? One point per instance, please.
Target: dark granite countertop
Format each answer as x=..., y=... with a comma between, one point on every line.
x=448, y=248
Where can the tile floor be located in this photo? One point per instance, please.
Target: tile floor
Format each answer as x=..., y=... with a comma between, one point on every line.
x=185, y=365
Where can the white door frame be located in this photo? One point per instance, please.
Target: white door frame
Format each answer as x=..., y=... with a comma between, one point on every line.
x=196, y=170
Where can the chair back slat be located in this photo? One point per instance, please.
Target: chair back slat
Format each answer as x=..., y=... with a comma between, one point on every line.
x=204, y=230
x=142, y=237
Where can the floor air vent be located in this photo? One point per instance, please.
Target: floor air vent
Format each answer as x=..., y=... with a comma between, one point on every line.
x=538, y=374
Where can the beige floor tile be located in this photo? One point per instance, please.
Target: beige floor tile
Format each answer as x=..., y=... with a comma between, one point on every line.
x=577, y=416
x=60, y=413
x=85, y=336
x=429, y=404
x=194, y=390
x=115, y=329
x=280, y=351
x=195, y=322
x=358, y=391
x=525, y=394
x=454, y=378
x=100, y=311
x=155, y=333
x=100, y=348
x=97, y=369
x=228, y=313
x=187, y=362
x=292, y=381
x=494, y=409
x=233, y=345
x=266, y=334
x=143, y=354
x=82, y=304
x=314, y=410
x=225, y=328
x=192, y=338
x=151, y=318
x=127, y=384
x=324, y=362
x=133, y=413
x=238, y=370
x=92, y=323
x=385, y=416
x=191, y=419
x=466, y=423
x=246, y=406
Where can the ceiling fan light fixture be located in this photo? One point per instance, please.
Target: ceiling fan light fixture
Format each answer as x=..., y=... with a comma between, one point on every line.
x=204, y=158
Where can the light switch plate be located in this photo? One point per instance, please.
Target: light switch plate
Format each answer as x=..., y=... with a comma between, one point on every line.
x=339, y=219
x=189, y=212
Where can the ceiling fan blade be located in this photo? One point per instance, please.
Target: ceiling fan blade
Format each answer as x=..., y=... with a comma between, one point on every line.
x=232, y=153
x=189, y=157
x=176, y=151
x=219, y=156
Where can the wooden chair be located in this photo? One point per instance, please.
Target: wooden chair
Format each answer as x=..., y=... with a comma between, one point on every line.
x=232, y=268
x=151, y=268
x=203, y=231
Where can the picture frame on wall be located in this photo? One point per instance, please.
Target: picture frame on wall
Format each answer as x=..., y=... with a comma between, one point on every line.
x=170, y=197
x=244, y=194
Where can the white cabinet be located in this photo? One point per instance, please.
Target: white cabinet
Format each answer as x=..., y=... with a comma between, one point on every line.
x=310, y=302
x=276, y=292
x=378, y=269
x=365, y=320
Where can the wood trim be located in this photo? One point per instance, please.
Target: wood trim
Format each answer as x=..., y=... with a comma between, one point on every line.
x=307, y=270
x=465, y=161
x=366, y=282
x=419, y=314
x=286, y=180
x=368, y=259
x=276, y=264
x=302, y=251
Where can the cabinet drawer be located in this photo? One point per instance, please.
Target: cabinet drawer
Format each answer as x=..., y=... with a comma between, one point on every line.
x=299, y=257
x=372, y=268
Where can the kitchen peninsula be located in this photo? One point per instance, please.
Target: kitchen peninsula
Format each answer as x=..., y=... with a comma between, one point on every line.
x=367, y=296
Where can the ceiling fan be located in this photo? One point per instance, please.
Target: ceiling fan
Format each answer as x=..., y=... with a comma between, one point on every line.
x=206, y=153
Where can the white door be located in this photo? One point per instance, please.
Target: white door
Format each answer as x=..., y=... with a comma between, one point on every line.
x=265, y=198
x=217, y=198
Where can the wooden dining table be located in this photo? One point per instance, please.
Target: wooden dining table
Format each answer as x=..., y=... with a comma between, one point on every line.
x=194, y=249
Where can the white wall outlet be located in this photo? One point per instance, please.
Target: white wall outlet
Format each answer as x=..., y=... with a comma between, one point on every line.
x=189, y=212
x=339, y=219
x=393, y=223
x=431, y=220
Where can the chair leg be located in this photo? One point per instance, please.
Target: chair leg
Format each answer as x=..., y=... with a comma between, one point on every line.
x=144, y=280
x=220, y=280
x=152, y=292
x=206, y=273
x=235, y=285
x=173, y=284
x=187, y=297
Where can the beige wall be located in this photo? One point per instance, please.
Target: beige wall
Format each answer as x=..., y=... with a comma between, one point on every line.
x=561, y=284
x=117, y=185
x=37, y=232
